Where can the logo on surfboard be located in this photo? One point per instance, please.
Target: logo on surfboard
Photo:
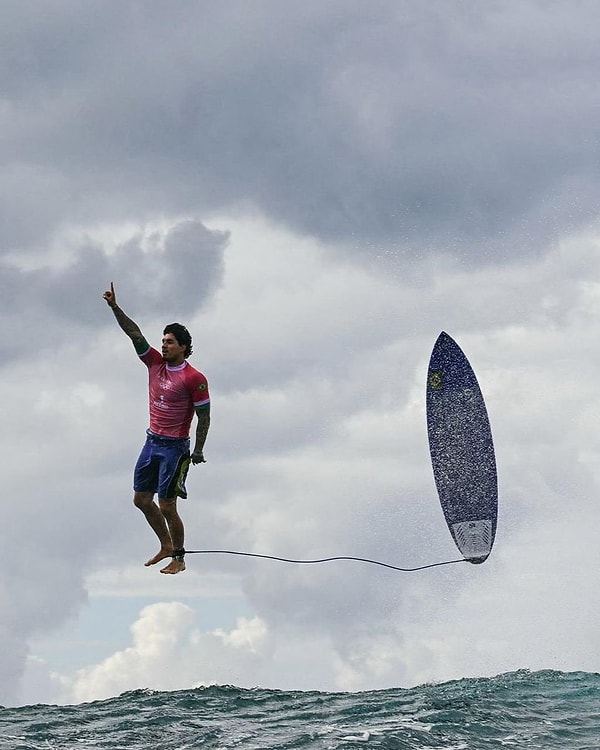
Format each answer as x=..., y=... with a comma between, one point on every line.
x=435, y=379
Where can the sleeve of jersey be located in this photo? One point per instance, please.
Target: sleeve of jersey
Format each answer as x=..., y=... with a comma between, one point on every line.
x=150, y=356
x=200, y=395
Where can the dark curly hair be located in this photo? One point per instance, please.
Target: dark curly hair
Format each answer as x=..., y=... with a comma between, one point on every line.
x=182, y=335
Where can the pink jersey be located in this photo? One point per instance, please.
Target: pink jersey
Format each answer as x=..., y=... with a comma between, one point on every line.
x=173, y=393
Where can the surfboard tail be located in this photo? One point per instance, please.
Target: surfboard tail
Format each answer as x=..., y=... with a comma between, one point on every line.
x=474, y=539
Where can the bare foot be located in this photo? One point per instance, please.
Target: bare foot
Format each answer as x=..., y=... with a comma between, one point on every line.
x=160, y=555
x=175, y=566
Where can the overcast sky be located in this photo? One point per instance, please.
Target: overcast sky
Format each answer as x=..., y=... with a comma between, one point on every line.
x=316, y=190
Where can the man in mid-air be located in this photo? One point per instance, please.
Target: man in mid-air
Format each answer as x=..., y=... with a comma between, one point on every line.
x=176, y=392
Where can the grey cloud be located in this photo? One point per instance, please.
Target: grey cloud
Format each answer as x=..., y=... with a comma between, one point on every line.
x=47, y=586
x=467, y=129
x=180, y=275
x=174, y=277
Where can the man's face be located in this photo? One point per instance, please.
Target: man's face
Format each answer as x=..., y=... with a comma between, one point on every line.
x=172, y=352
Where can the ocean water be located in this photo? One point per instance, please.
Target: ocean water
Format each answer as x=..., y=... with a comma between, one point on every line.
x=521, y=709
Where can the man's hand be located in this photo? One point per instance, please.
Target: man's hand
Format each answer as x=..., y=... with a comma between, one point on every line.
x=198, y=457
x=128, y=326
x=110, y=296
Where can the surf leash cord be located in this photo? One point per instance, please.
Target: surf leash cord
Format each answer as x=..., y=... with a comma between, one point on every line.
x=320, y=560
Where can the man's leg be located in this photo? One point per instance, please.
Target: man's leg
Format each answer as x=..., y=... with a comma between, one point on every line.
x=145, y=502
x=168, y=508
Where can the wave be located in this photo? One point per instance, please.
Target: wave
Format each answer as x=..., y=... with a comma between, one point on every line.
x=545, y=709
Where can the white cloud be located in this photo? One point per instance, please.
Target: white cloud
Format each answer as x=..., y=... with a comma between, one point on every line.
x=169, y=653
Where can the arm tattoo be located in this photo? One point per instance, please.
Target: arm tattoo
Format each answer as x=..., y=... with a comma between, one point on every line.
x=127, y=325
x=201, y=429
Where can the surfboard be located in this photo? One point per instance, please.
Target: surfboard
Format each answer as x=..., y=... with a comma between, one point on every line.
x=462, y=450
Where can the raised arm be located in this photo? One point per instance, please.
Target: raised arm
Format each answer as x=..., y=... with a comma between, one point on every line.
x=127, y=325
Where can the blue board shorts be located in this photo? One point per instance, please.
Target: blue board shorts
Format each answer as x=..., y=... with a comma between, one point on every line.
x=162, y=466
